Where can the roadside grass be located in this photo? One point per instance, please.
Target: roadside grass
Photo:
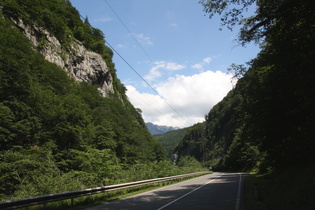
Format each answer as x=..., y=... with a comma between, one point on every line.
x=254, y=194
x=291, y=189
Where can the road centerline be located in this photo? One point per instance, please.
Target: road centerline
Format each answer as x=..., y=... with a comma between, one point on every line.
x=177, y=199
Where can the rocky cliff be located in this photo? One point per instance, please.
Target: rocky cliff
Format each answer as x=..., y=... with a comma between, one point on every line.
x=80, y=63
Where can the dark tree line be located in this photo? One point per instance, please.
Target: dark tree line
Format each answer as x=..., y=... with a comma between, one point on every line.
x=267, y=120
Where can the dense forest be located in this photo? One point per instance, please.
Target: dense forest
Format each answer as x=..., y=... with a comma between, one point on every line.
x=265, y=125
x=58, y=134
x=171, y=139
x=267, y=120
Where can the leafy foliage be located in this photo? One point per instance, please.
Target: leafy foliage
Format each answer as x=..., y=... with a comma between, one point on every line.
x=57, y=134
x=266, y=122
x=171, y=139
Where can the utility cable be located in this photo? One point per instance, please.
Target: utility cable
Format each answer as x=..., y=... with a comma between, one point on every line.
x=133, y=37
x=117, y=53
x=128, y=31
x=150, y=105
x=146, y=82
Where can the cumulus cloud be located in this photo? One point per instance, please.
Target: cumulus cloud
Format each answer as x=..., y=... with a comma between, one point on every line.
x=191, y=96
x=159, y=65
x=153, y=73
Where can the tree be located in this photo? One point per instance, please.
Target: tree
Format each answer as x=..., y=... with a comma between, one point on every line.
x=58, y=134
x=267, y=120
x=268, y=14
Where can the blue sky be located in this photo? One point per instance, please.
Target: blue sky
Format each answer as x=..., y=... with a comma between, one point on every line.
x=182, y=54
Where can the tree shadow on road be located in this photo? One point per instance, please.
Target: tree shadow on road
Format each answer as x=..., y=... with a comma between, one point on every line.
x=219, y=193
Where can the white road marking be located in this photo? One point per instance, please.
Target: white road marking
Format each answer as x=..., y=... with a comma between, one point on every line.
x=189, y=193
x=238, y=196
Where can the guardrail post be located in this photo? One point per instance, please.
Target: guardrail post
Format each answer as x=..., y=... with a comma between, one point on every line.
x=72, y=202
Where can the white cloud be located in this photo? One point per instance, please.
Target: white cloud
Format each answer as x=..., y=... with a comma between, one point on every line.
x=153, y=73
x=200, y=65
x=197, y=66
x=207, y=60
x=174, y=25
x=159, y=65
x=145, y=40
x=173, y=66
x=191, y=96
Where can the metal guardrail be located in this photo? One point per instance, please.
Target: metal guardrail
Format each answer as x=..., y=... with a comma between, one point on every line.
x=11, y=204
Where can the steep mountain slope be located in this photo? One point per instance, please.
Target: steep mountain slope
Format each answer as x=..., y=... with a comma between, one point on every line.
x=267, y=121
x=171, y=139
x=80, y=63
x=57, y=130
x=266, y=124
x=209, y=141
x=55, y=38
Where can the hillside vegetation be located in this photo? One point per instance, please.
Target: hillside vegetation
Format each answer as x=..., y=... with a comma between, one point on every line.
x=266, y=123
x=57, y=134
x=171, y=139
x=267, y=120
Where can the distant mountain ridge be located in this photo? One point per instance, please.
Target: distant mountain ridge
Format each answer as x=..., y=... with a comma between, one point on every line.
x=159, y=129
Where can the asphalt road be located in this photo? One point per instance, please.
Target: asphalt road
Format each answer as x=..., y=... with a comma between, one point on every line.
x=217, y=191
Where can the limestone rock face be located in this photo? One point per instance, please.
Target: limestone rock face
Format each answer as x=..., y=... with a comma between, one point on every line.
x=81, y=64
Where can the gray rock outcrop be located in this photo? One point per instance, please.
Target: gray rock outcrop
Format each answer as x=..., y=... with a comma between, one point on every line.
x=80, y=63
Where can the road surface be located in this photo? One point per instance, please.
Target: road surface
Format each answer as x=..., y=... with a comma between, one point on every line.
x=217, y=191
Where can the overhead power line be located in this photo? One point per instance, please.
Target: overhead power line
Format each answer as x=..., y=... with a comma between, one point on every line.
x=146, y=82
x=147, y=104
x=117, y=53
x=140, y=46
x=129, y=31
